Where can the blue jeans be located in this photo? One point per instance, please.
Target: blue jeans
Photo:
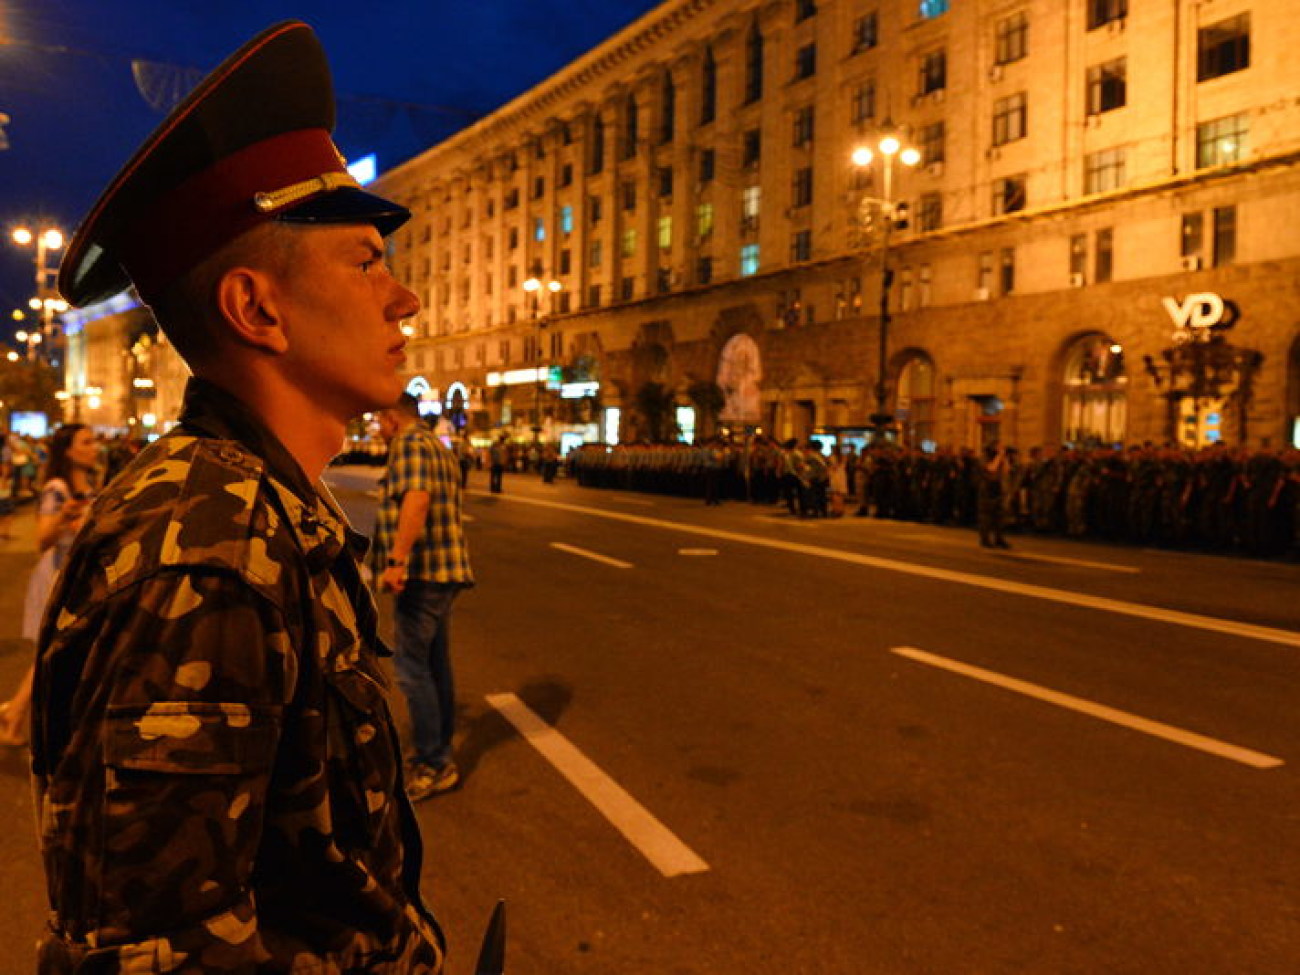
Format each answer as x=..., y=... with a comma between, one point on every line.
x=422, y=661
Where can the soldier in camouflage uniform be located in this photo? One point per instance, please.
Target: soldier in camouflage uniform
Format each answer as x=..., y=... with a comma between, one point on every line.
x=217, y=773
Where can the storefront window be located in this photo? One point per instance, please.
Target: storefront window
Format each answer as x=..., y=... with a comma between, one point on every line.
x=1096, y=392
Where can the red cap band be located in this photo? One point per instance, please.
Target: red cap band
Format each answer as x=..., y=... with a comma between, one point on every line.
x=215, y=206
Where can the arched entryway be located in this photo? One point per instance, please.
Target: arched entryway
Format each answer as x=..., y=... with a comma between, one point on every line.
x=1095, y=383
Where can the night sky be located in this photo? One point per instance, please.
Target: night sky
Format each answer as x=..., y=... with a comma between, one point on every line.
x=407, y=73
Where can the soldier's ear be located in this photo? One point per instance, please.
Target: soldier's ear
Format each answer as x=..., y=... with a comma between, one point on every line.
x=248, y=304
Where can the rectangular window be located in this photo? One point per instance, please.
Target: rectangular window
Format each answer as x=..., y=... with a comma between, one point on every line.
x=801, y=247
x=704, y=270
x=751, y=148
x=566, y=175
x=927, y=285
x=1192, y=236
x=664, y=280
x=1222, y=141
x=566, y=261
x=933, y=72
x=627, y=289
x=629, y=243
x=865, y=33
x=557, y=339
x=930, y=212
x=932, y=8
x=1102, y=12
x=803, y=9
x=985, y=284
x=704, y=221
x=1223, y=48
x=511, y=199
x=666, y=181
x=566, y=220
x=539, y=187
x=801, y=194
x=1008, y=264
x=803, y=125
x=595, y=209
x=629, y=196
x=750, y=199
x=1107, y=86
x=1009, y=194
x=931, y=143
x=805, y=62
x=905, y=289
x=753, y=65
x=597, y=253
x=707, y=160
x=512, y=238
x=748, y=260
x=1012, y=38
x=1103, y=171
x=539, y=229
x=1010, y=118
x=1225, y=235
x=593, y=296
x=863, y=104
x=1104, y=256
x=665, y=233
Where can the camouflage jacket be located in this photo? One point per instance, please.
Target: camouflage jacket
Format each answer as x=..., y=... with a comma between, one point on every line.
x=217, y=773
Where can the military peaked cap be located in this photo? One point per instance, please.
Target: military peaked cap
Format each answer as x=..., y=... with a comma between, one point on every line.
x=250, y=144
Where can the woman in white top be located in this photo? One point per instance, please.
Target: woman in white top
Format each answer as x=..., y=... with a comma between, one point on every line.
x=66, y=491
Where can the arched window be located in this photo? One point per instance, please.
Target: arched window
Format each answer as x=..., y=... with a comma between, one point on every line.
x=1096, y=392
x=916, y=401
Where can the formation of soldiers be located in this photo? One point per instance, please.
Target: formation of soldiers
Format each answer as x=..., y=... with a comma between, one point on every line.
x=1216, y=498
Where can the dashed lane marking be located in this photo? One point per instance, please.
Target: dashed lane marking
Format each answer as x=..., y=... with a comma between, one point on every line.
x=669, y=855
x=1249, y=631
x=1189, y=739
x=594, y=556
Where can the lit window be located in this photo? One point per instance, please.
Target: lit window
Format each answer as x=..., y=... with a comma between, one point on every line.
x=704, y=220
x=932, y=8
x=1222, y=141
x=629, y=243
x=665, y=233
x=748, y=260
x=539, y=229
x=1103, y=171
x=566, y=220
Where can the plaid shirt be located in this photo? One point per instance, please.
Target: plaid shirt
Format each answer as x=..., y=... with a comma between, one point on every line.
x=417, y=461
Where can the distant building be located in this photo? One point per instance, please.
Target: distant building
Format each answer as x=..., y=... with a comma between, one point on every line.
x=121, y=375
x=1103, y=240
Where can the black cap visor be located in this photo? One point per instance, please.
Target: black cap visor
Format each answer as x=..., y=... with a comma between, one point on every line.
x=348, y=205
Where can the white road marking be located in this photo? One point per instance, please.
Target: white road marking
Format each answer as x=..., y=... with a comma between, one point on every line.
x=1190, y=739
x=617, y=499
x=669, y=855
x=1249, y=631
x=595, y=556
x=697, y=551
x=1062, y=560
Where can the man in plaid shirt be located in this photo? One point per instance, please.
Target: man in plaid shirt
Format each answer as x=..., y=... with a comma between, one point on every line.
x=421, y=556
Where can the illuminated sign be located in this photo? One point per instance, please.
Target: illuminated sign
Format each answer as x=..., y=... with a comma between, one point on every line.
x=578, y=390
x=1198, y=313
x=365, y=169
x=517, y=377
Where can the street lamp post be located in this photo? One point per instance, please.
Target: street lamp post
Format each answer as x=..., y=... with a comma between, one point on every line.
x=535, y=287
x=889, y=148
x=46, y=303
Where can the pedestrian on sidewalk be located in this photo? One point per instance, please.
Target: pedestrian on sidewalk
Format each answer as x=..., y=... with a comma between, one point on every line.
x=420, y=555
x=217, y=776
x=67, y=487
x=990, y=489
x=498, y=455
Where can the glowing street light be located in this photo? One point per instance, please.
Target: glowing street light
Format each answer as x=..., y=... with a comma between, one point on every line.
x=534, y=287
x=890, y=148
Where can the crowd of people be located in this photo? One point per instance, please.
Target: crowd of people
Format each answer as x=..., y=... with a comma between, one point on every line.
x=1216, y=498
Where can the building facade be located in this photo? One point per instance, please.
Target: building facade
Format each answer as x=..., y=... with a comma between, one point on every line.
x=1101, y=239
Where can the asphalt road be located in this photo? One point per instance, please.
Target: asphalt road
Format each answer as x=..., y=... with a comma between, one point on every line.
x=726, y=741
